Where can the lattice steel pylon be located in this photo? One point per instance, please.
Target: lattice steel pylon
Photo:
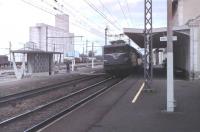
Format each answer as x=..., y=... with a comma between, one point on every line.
x=148, y=63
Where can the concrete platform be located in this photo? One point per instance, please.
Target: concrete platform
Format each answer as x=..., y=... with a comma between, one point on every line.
x=115, y=112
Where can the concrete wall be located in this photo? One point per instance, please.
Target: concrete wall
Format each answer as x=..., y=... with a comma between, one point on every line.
x=182, y=54
x=38, y=35
x=187, y=9
x=188, y=55
x=187, y=51
x=62, y=22
x=195, y=51
x=42, y=34
x=38, y=63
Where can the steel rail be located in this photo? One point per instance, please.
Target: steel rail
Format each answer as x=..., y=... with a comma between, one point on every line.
x=51, y=103
x=70, y=109
x=25, y=94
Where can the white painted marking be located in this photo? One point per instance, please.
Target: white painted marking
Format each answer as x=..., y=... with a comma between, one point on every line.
x=138, y=93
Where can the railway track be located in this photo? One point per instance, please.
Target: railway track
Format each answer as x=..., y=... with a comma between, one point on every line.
x=22, y=95
x=42, y=114
x=21, y=104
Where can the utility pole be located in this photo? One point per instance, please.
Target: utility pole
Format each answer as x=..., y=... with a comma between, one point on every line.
x=10, y=46
x=33, y=46
x=86, y=47
x=83, y=50
x=54, y=47
x=86, y=52
x=92, y=54
x=46, y=38
x=170, y=65
x=92, y=49
x=106, y=31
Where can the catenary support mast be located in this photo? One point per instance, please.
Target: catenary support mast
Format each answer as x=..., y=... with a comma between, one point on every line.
x=148, y=64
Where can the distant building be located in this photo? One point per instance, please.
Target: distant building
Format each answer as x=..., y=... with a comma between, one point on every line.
x=4, y=60
x=52, y=38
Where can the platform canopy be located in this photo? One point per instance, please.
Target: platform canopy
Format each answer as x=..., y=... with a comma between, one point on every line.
x=137, y=35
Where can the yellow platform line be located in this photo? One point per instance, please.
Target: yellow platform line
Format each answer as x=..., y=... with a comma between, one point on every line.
x=138, y=93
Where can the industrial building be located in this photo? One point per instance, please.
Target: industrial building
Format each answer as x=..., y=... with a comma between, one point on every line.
x=47, y=45
x=52, y=38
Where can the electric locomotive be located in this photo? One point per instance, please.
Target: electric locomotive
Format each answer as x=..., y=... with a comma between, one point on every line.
x=121, y=58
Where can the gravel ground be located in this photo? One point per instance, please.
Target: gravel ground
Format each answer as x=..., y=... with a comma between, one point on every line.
x=32, y=83
x=12, y=86
x=20, y=106
x=47, y=112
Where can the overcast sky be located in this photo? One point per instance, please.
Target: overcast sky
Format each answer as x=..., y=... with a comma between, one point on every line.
x=17, y=16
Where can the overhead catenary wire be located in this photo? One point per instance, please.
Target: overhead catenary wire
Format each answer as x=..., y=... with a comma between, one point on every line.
x=101, y=14
x=85, y=24
x=108, y=11
x=80, y=20
x=125, y=18
x=77, y=25
x=129, y=12
x=86, y=18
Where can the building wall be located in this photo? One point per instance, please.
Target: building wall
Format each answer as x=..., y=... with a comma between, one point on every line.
x=40, y=62
x=187, y=9
x=3, y=59
x=37, y=35
x=187, y=56
x=194, y=50
x=62, y=22
x=53, y=38
x=186, y=52
x=42, y=35
x=182, y=54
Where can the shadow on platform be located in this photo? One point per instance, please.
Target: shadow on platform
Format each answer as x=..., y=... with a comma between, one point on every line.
x=161, y=73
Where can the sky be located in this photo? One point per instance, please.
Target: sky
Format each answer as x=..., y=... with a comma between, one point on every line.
x=88, y=18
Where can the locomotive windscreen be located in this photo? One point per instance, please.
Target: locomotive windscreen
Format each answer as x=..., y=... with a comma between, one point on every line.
x=110, y=50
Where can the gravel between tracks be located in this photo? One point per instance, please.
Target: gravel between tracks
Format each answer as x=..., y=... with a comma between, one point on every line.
x=33, y=83
x=20, y=106
x=47, y=112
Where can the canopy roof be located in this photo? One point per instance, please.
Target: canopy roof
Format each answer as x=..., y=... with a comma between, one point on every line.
x=137, y=35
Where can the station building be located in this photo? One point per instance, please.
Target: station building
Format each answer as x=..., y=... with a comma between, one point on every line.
x=186, y=15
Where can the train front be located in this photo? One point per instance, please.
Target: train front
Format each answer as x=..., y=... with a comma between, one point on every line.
x=116, y=58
